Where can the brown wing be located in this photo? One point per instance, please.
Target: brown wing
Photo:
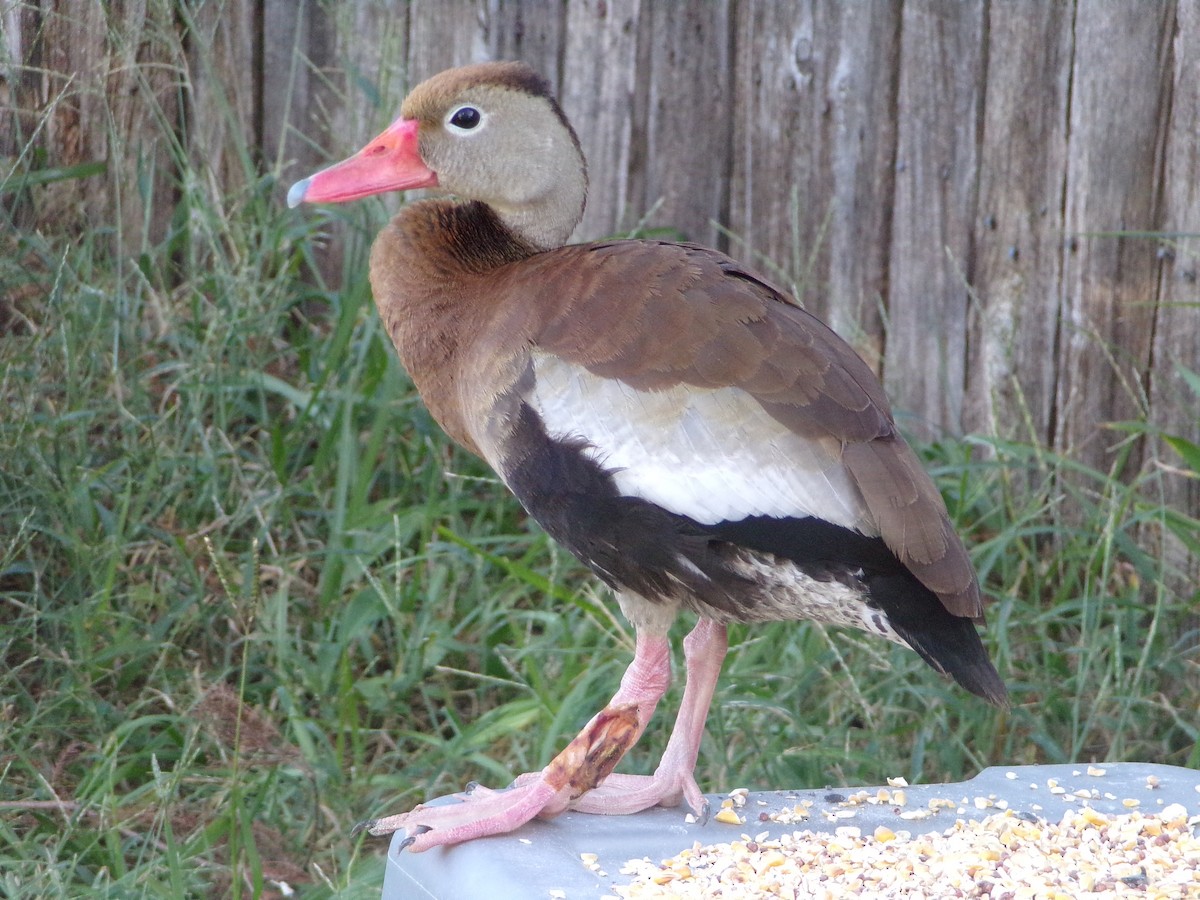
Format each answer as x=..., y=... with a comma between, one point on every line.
x=657, y=316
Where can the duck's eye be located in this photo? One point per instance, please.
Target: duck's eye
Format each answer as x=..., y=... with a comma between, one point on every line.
x=466, y=118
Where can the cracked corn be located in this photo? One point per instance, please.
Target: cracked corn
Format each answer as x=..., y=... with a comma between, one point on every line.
x=1086, y=854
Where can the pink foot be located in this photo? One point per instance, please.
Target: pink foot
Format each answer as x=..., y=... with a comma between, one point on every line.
x=580, y=777
x=587, y=761
x=476, y=815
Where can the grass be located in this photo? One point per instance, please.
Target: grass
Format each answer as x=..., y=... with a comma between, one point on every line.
x=250, y=595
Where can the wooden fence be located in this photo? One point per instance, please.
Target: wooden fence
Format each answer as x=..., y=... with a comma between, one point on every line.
x=997, y=202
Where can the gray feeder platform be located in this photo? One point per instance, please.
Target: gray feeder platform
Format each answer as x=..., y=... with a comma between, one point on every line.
x=541, y=857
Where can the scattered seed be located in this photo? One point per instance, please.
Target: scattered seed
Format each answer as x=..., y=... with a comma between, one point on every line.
x=591, y=862
x=1092, y=817
x=1007, y=854
x=728, y=817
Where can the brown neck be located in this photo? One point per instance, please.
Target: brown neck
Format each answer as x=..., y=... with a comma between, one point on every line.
x=430, y=273
x=470, y=233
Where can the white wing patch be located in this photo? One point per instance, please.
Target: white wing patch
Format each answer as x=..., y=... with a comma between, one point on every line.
x=711, y=455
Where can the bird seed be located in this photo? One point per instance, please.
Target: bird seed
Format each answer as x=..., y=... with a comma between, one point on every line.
x=1006, y=855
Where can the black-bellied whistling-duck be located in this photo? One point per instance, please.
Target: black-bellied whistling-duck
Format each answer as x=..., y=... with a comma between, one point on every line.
x=683, y=427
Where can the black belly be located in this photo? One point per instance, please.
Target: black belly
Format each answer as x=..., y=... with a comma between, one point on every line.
x=635, y=545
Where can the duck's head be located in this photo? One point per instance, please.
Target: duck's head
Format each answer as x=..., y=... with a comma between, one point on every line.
x=490, y=132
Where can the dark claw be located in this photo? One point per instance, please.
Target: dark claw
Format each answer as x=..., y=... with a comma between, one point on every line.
x=412, y=838
x=365, y=825
x=471, y=786
x=704, y=810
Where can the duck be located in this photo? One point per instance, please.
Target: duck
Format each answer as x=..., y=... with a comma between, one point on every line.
x=682, y=426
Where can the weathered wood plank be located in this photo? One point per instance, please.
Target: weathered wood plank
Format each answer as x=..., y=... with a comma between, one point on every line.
x=146, y=67
x=1019, y=227
x=598, y=85
x=779, y=194
x=302, y=93
x=684, y=127
x=298, y=93
x=939, y=111
x=530, y=30
x=109, y=88
x=862, y=100
x=21, y=102
x=443, y=34
x=1174, y=406
x=222, y=46
x=372, y=74
x=1120, y=92
x=75, y=125
x=63, y=73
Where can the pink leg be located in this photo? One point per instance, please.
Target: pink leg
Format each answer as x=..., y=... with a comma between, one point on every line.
x=704, y=651
x=585, y=762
